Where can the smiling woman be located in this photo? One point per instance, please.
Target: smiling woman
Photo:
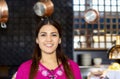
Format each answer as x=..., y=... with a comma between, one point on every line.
x=49, y=61
x=48, y=39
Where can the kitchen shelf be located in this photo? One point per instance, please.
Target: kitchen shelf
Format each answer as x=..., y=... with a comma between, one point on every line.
x=78, y=49
x=101, y=66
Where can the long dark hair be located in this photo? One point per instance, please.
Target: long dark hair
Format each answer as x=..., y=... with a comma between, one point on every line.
x=60, y=55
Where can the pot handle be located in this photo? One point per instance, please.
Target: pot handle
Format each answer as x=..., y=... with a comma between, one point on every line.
x=3, y=25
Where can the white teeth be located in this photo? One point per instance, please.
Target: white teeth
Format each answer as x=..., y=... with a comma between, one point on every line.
x=49, y=45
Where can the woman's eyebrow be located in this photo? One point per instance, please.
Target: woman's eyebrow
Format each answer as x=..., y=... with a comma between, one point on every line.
x=42, y=32
x=54, y=32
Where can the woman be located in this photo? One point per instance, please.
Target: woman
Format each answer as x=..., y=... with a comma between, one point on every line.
x=48, y=62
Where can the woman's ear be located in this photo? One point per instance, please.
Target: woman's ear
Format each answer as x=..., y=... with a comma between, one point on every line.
x=37, y=41
x=60, y=41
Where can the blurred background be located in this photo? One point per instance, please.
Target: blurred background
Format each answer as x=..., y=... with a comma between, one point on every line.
x=81, y=39
x=17, y=39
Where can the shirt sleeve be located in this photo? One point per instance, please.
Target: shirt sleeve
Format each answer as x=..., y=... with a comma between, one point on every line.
x=76, y=70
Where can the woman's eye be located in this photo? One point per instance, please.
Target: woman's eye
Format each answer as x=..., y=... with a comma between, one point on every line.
x=54, y=35
x=42, y=35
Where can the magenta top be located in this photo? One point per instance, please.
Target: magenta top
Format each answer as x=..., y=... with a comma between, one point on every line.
x=45, y=73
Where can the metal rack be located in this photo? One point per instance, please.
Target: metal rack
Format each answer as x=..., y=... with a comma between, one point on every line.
x=99, y=35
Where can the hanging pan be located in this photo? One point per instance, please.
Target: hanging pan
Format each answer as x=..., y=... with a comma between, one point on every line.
x=44, y=8
x=91, y=16
x=3, y=13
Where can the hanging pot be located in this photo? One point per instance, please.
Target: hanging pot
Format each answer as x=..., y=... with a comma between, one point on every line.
x=44, y=8
x=3, y=13
x=114, y=51
x=91, y=16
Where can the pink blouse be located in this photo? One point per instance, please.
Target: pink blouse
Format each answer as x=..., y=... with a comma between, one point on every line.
x=45, y=73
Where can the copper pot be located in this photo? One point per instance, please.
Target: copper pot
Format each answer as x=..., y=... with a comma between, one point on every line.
x=44, y=8
x=114, y=51
x=3, y=11
x=91, y=16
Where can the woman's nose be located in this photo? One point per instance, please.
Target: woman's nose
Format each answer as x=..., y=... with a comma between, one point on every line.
x=49, y=38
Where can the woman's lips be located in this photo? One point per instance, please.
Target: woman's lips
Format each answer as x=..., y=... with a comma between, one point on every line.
x=48, y=45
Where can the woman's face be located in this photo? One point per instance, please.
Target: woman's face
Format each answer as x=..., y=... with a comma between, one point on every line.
x=48, y=39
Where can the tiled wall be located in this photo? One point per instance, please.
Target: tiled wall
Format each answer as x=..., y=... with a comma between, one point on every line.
x=17, y=40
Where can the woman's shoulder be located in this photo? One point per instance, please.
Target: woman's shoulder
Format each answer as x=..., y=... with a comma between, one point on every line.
x=23, y=70
x=26, y=64
x=72, y=62
x=75, y=68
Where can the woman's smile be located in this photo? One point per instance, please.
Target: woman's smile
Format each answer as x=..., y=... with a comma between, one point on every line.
x=48, y=39
x=49, y=45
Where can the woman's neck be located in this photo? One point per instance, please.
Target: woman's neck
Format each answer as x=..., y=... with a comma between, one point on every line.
x=49, y=61
x=48, y=57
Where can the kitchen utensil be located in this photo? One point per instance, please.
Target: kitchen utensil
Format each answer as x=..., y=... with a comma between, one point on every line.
x=43, y=8
x=3, y=13
x=91, y=16
x=114, y=51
